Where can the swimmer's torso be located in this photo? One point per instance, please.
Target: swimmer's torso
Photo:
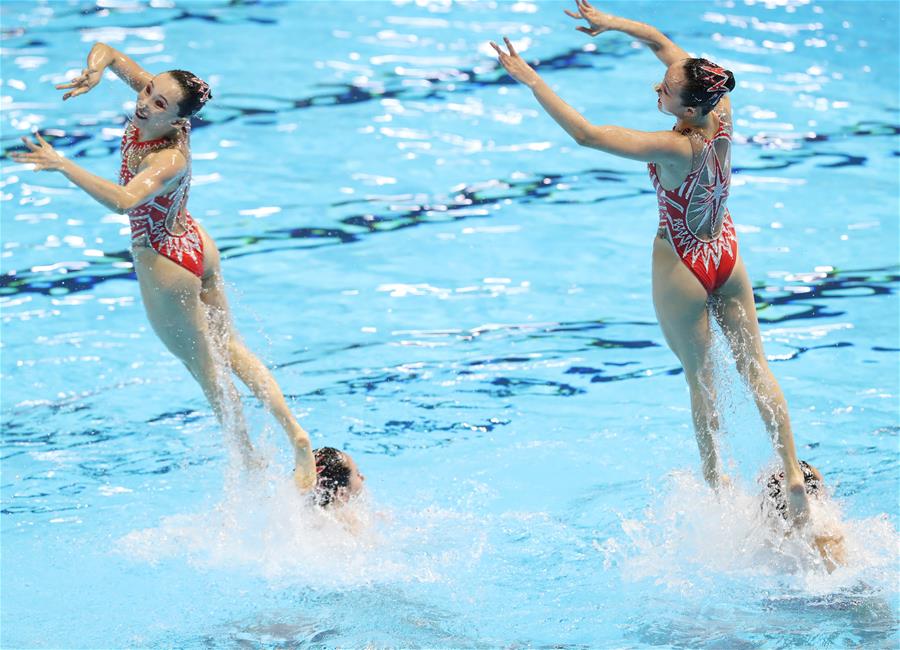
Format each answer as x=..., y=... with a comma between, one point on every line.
x=163, y=223
x=694, y=217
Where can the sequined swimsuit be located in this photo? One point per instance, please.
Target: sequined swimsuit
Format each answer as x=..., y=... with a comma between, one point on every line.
x=694, y=217
x=162, y=223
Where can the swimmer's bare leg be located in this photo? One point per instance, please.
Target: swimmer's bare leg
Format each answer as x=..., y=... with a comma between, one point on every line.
x=253, y=372
x=257, y=377
x=681, y=308
x=706, y=423
x=737, y=315
x=171, y=297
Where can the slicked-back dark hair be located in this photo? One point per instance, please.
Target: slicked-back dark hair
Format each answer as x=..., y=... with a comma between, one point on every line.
x=195, y=92
x=705, y=84
x=332, y=473
x=775, y=492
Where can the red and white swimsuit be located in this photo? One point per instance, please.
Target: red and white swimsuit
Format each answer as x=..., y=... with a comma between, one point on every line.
x=694, y=217
x=163, y=223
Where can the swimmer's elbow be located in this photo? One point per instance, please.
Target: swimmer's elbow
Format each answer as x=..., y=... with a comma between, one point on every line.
x=124, y=207
x=125, y=204
x=581, y=139
x=611, y=140
x=590, y=136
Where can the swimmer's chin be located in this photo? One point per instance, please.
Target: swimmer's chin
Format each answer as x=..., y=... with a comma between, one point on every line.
x=351, y=521
x=352, y=515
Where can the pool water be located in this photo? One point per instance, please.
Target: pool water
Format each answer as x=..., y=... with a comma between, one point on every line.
x=452, y=291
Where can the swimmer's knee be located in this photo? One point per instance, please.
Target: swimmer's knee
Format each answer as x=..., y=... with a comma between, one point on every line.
x=698, y=371
x=236, y=356
x=754, y=370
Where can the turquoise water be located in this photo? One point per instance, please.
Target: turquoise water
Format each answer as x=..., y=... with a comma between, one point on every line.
x=456, y=294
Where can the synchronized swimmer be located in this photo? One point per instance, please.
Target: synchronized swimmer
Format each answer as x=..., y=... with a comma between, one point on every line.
x=696, y=262
x=697, y=268
x=176, y=261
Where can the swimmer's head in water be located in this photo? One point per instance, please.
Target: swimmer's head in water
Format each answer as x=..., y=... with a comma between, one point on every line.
x=775, y=497
x=337, y=477
x=695, y=84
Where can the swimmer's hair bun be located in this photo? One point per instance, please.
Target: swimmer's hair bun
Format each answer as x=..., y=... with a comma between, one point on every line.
x=705, y=83
x=775, y=498
x=196, y=92
x=729, y=85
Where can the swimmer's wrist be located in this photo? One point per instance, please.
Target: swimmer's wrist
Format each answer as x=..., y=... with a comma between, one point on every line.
x=100, y=57
x=613, y=24
x=534, y=83
x=633, y=28
x=65, y=167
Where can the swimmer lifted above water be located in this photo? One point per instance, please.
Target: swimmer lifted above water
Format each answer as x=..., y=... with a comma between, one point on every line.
x=696, y=263
x=176, y=261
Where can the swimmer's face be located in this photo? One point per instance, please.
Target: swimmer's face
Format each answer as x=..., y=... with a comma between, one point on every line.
x=157, y=103
x=357, y=480
x=669, y=90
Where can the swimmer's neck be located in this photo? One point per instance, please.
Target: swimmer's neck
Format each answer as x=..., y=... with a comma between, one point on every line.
x=697, y=123
x=147, y=132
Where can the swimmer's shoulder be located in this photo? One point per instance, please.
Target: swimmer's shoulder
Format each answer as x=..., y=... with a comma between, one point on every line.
x=169, y=163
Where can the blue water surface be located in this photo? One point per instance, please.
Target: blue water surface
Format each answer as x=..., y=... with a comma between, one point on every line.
x=451, y=290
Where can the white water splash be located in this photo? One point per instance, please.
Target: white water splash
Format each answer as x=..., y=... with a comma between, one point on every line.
x=268, y=529
x=690, y=537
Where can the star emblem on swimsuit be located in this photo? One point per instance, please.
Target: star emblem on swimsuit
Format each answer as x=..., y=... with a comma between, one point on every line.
x=715, y=193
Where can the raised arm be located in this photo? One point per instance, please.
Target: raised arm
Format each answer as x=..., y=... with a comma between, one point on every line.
x=100, y=57
x=663, y=147
x=599, y=22
x=157, y=171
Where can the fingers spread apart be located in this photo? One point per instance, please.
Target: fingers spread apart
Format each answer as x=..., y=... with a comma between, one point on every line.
x=28, y=143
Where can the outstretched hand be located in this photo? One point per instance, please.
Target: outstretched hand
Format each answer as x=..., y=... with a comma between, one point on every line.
x=598, y=22
x=41, y=154
x=82, y=83
x=515, y=65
